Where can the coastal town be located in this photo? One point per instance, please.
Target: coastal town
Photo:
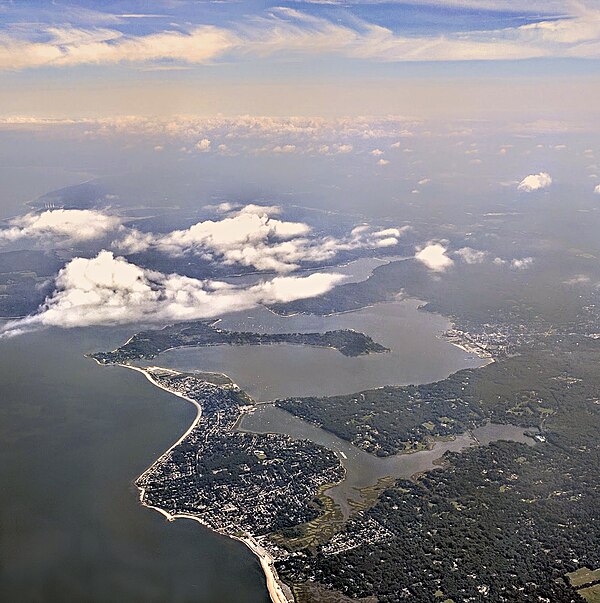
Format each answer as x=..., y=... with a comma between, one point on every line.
x=493, y=341
x=213, y=470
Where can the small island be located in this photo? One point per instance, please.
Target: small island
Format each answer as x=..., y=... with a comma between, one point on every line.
x=201, y=333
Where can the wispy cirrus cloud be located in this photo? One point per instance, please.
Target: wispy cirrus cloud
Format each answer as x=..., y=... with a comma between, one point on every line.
x=546, y=7
x=286, y=32
x=70, y=46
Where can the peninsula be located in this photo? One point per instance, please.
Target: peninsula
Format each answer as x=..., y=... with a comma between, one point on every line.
x=270, y=490
x=213, y=470
x=201, y=333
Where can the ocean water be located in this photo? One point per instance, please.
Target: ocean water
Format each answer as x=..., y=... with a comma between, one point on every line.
x=73, y=437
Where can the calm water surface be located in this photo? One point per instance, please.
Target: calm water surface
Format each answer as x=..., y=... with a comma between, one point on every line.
x=24, y=183
x=355, y=271
x=73, y=437
x=418, y=355
x=364, y=469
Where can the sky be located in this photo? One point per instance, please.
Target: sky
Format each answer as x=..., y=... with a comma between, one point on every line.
x=407, y=118
x=432, y=58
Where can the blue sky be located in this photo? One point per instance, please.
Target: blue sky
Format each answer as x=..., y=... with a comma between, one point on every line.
x=410, y=18
x=63, y=51
x=400, y=16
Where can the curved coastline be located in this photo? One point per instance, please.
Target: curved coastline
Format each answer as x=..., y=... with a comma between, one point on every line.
x=278, y=591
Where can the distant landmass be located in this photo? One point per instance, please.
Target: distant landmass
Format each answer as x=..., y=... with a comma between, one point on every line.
x=201, y=333
x=25, y=280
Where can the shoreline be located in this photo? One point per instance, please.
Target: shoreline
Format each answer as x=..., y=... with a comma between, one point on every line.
x=275, y=587
x=274, y=343
x=466, y=346
x=148, y=376
x=473, y=352
x=278, y=591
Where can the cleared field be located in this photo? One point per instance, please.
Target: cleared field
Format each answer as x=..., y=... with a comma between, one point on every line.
x=315, y=532
x=591, y=594
x=583, y=576
x=313, y=593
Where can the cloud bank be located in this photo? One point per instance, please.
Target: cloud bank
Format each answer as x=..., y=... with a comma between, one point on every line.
x=107, y=290
x=253, y=237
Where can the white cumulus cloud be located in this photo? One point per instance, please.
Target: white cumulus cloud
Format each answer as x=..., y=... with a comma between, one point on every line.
x=521, y=263
x=535, y=182
x=433, y=255
x=471, y=256
x=203, y=145
x=391, y=232
x=252, y=236
x=72, y=225
x=107, y=290
x=285, y=148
